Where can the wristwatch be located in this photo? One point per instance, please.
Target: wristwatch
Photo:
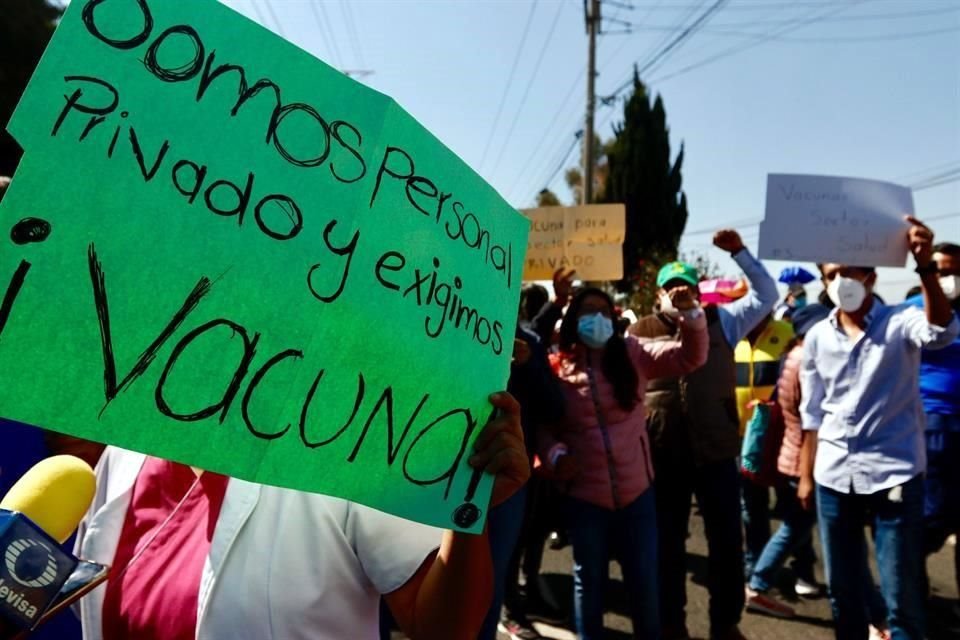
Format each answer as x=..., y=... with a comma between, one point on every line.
x=929, y=268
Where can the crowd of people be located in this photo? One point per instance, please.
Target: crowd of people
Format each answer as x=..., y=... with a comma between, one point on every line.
x=847, y=410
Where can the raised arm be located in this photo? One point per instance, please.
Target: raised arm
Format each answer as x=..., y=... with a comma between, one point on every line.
x=674, y=358
x=939, y=327
x=740, y=316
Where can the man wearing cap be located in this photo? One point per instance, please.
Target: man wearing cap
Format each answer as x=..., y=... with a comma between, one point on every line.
x=694, y=428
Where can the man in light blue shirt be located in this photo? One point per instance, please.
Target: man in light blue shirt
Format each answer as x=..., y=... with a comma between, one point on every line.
x=859, y=382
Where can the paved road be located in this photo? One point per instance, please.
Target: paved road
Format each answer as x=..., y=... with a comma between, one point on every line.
x=812, y=623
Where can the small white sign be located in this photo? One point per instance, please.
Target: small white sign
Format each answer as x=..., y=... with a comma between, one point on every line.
x=831, y=219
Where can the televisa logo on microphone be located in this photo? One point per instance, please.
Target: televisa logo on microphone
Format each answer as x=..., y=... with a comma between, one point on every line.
x=33, y=568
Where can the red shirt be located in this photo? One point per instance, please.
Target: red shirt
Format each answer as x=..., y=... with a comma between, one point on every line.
x=164, y=544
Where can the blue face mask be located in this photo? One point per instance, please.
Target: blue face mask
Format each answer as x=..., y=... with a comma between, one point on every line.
x=595, y=330
x=800, y=303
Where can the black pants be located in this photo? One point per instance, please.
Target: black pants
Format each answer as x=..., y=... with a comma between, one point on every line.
x=717, y=489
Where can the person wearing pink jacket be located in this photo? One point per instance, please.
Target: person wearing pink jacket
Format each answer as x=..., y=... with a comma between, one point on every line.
x=601, y=452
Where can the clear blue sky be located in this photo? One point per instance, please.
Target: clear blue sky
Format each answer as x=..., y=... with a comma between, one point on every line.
x=846, y=88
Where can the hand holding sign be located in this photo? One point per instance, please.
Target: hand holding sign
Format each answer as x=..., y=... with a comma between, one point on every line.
x=237, y=216
x=920, y=239
x=499, y=449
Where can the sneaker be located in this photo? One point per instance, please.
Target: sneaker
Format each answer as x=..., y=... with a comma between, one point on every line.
x=806, y=588
x=762, y=603
x=541, y=610
x=518, y=630
x=879, y=634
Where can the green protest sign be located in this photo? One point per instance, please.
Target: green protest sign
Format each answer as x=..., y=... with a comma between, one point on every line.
x=223, y=252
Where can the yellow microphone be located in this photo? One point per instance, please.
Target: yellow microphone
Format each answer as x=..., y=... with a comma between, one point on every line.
x=55, y=494
x=37, y=515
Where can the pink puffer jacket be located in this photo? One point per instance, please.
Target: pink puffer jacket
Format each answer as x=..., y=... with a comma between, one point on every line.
x=626, y=444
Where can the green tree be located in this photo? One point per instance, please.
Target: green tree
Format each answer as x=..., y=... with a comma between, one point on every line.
x=547, y=198
x=25, y=30
x=642, y=175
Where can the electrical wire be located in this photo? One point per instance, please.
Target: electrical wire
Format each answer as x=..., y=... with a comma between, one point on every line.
x=526, y=92
x=781, y=23
x=327, y=32
x=347, y=9
x=546, y=133
x=262, y=19
x=682, y=37
x=885, y=37
x=800, y=22
x=276, y=20
x=506, y=89
x=563, y=161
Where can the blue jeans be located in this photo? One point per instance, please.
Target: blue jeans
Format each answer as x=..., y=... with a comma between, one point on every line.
x=630, y=533
x=755, y=503
x=794, y=537
x=503, y=531
x=899, y=541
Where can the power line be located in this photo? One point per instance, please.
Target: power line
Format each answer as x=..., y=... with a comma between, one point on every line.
x=352, y=36
x=684, y=35
x=276, y=21
x=526, y=92
x=262, y=19
x=743, y=222
x=780, y=23
x=546, y=133
x=649, y=53
x=800, y=22
x=884, y=37
x=743, y=6
x=564, y=159
x=918, y=174
x=327, y=31
x=954, y=177
x=506, y=89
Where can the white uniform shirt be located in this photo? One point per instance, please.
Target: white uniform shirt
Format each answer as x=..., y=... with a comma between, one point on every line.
x=282, y=564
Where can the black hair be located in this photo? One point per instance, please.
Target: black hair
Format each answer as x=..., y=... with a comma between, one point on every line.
x=947, y=248
x=533, y=297
x=867, y=270
x=616, y=364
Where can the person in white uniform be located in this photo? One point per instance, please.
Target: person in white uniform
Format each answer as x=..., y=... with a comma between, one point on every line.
x=289, y=565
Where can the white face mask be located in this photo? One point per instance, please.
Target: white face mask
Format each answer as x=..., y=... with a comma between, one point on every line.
x=950, y=286
x=595, y=330
x=847, y=293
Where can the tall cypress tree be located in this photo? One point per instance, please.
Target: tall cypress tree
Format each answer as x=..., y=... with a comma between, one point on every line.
x=644, y=178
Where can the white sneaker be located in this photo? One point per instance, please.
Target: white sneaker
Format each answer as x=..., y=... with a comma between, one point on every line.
x=804, y=588
x=879, y=634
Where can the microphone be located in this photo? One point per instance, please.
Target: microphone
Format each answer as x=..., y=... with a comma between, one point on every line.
x=39, y=513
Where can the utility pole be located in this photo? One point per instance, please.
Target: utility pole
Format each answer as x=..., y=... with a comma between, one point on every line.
x=592, y=11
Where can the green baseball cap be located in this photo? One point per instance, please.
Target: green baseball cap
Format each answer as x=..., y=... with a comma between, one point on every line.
x=678, y=271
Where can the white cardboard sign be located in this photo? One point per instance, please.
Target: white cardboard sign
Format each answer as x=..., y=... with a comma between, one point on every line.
x=832, y=219
x=588, y=239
